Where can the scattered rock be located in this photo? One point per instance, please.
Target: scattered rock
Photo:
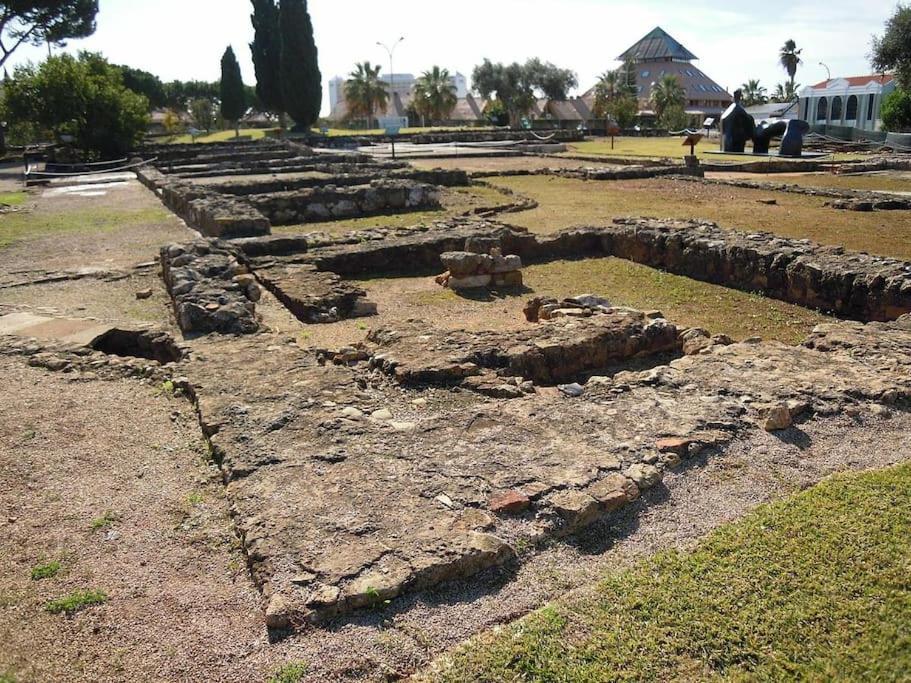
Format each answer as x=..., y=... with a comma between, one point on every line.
x=509, y=503
x=143, y=294
x=776, y=418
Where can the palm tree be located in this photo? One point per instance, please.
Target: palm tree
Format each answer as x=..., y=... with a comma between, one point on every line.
x=667, y=94
x=753, y=93
x=606, y=91
x=789, y=58
x=365, y=92
x=434, y=94
x=785, y=92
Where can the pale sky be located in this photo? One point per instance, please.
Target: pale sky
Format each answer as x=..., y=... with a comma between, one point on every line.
x=184, y=39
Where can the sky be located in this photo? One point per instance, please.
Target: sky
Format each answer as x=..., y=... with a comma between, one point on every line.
x=184, y=39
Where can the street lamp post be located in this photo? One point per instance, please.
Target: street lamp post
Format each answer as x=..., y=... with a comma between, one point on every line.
x=391, y=52
x=828, y=71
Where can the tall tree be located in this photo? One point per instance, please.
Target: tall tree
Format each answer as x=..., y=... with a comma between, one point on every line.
x=892, y=51
x=615, y=99
x=145, y=83
x=789, y=58
x=365, y=92
x=301, y=81
x=515, y=85
x=667, y=96
x=435, y=94
x=267, y=51
x=232, y=95
x=43, y=21
x=753, y=93
x=83, y=97
x=785, y=92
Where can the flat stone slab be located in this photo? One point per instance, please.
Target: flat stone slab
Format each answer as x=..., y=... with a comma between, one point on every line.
x=349, y=488
x=69, y=330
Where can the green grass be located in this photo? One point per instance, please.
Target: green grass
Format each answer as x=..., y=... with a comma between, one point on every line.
x=20, y=226
x=815, y=587
x=13, y=198
x=293, y=672
x=260, y=133
x=45, y=571
x=74, y=602
x=667, y=147
x=7, y=677
x=106, y=520
x=565, y=202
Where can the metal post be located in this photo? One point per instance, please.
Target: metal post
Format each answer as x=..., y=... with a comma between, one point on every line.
x=391, y=51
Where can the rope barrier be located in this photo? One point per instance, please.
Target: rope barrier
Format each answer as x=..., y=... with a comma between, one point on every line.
x=75, y=174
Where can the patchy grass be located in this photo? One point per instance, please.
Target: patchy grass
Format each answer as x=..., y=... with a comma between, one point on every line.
x=815, y=587
x=565, y=202
x=45, y=571
x=27, y=225
x=293, y=672
x=218, y=136
x=260, y=133
x=75, y=602
x=109, y=518
x=454, y=200
x=882, y=181
x=13, y=198
x=665, y=147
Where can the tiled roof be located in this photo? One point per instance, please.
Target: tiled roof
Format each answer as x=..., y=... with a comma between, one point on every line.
x=854, y=81
x=657, y=45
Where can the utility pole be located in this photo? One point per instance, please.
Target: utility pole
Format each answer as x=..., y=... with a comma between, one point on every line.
x=391, y=52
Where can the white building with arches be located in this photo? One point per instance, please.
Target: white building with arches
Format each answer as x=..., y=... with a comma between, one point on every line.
x=852, y=102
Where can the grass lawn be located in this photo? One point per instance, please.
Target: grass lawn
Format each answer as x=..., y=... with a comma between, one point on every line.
x=20, y=226
x=565, y=202
x=13, y=198
x=816, y=587
x=890, y=181
x=661, y=147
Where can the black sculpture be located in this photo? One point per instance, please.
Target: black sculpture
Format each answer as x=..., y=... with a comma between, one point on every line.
x=738, y=127
x=792, y=142
x=764, y=133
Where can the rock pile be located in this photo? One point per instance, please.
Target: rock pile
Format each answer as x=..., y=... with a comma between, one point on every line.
x=584, y=306
x=212, y=290
x=470, y=270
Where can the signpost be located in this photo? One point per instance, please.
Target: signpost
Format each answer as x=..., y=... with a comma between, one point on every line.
x=393, y=125
x=613, y=130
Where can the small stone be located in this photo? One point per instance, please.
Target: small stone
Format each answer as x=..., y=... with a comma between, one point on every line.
x=510, y=503
x=575, y=507
x=574, y=390
x=381, y=415
x=277, y=613
x=403, y=426
x=613, y=491
x=143, y=294
x=777, y=418
x=445, y=501
x=643, y=475
x=676, y=445
x=352, y=413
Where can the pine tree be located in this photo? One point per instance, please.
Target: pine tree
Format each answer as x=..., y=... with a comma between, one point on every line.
x=266, y=49
x=301, y=82
x=233, y=100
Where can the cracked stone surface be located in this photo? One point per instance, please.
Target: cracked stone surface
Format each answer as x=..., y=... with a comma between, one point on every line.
x=348, y=488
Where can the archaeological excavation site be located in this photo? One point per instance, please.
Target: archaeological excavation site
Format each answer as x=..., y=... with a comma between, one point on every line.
x=281, y=402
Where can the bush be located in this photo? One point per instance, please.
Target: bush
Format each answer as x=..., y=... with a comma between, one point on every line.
x=673, y=118
x=896, y=111
x=83, y=97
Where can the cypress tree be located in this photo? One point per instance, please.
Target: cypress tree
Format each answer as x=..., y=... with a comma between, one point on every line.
x=231, y=91
x=302, y=88
x=266, y=49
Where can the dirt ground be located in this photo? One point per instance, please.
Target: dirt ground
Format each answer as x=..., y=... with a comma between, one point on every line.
x=181, y=605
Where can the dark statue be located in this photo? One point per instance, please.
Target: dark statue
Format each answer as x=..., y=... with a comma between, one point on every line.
x=738, y=127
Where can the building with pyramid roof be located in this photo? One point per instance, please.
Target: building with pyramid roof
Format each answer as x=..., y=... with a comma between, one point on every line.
x=658, y=54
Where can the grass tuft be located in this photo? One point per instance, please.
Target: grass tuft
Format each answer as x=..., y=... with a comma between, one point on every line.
x=74, y=602
x=45, y=571
x=815, y=587
x=106, y=520
x=293, y=672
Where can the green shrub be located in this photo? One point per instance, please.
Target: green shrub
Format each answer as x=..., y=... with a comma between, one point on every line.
x=896, y=111
x=75, y=602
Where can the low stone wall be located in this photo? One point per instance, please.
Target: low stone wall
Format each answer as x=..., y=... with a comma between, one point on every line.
x=636, y=172
x=212, y=214
x=314, y=296
x=355, y=175
x=333, y=203
x=211, y=290
x=849, y=284
x=549, y=353
x=187, y=152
